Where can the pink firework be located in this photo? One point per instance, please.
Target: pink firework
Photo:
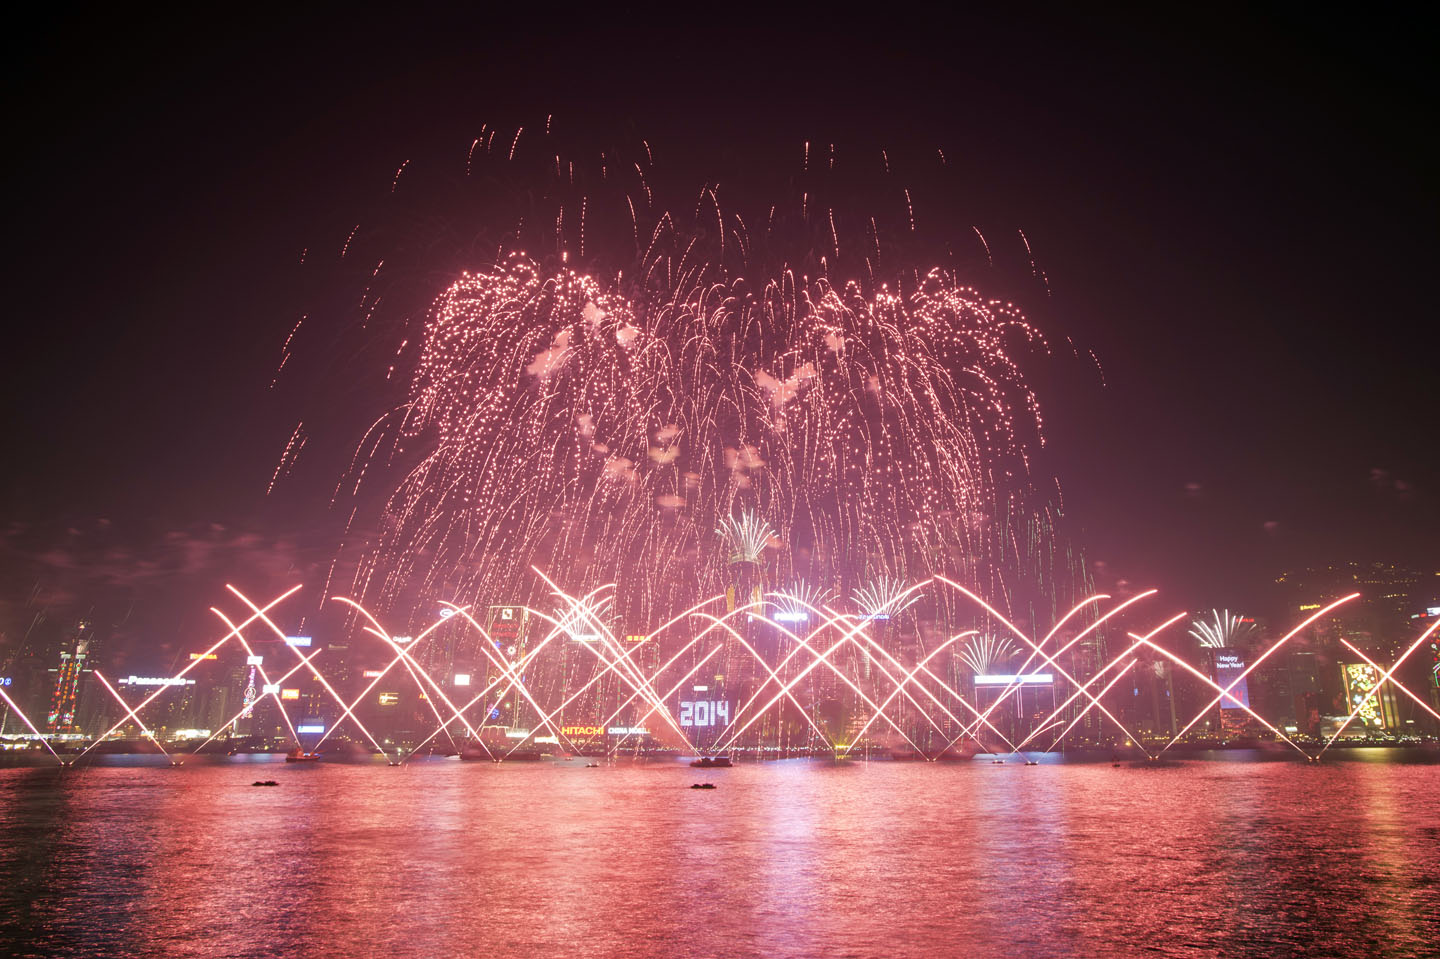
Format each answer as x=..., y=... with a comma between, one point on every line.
x=606, y=435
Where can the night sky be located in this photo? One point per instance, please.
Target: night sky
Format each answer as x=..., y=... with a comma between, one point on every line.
x=1236, y=214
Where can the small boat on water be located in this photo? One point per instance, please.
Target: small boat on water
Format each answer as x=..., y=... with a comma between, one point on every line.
x=301, y=756
x=712, y=762
x=703, y=786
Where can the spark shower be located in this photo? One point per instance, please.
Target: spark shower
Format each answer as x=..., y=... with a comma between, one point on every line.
x=681, y=408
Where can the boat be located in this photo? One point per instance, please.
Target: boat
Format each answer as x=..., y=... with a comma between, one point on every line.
x=712, y=762
x=301, y=756
x=703, y=786
x=592, y=765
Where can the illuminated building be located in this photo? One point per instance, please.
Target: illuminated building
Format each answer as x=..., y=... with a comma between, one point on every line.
x=1377, y=712
x=1304, y=692
x=1389, y=594
x=61, y=718
x=1229, y=668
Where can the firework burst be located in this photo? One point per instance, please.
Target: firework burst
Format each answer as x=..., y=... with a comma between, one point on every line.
x=885, y=597
x=554, y=423
x=1221, y=631
x=984, y=653
x=734, y=406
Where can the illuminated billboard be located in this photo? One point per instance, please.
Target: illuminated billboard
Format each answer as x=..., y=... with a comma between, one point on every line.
x=462, y=679
x=297, y=640
x=270, y=688
x=1230, y=666
x=289, y=694
x=155, y=681
x=389, y=699
x=1375, y=711
x=203, y=656
x=1014, y=679
x=373, y=673
x=704, y=712
x=506, y=623
x=310, y=728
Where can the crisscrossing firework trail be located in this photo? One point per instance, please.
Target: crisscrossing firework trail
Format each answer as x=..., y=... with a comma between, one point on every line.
x=788, y=677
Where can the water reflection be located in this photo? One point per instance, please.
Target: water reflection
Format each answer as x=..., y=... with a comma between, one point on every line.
x=787, y=859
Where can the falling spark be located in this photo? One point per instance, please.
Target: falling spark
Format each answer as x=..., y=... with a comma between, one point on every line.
x=1222, y=632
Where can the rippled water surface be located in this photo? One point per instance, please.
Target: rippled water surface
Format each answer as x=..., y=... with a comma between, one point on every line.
x=443, y=858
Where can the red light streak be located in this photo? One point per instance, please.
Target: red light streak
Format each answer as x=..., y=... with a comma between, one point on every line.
x=21, y=713
x=1382, y=681
x=1399, y=685
x=130, y=714
x=1249, y=669
x=196, y=662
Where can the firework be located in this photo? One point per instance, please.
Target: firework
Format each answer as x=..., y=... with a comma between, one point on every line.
x=654, y=442
x=1222, y=631
x=984, y=653
x=748, y=536
x=885, y=597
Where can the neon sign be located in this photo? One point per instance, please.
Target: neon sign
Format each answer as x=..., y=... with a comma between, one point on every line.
x=297, y=640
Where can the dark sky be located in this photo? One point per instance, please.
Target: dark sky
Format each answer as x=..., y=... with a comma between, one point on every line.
x=1236, y=212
